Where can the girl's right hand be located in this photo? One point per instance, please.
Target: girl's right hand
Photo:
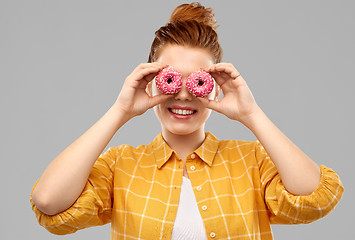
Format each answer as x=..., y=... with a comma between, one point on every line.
x=133, y=99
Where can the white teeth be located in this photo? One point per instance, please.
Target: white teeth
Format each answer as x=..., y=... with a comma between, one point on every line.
x=182, y=112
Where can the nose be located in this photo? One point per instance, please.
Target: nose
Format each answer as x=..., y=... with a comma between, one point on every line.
x=183, y=94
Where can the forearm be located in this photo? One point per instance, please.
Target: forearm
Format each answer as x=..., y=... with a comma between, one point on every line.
x=299, y=173
x=65, y=177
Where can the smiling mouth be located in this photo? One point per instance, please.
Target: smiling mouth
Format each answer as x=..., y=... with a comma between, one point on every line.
x=183, y=112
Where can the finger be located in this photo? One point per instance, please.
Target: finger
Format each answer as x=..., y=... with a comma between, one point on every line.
x=158, y=99
x=211, y=104
x=220, y=77
x=144, y=66
x=148, y=65
x=227, y=68
x=150, y=77
x=147, y=74
x=220, y=80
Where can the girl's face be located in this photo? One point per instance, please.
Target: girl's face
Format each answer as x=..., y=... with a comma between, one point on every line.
x=183, y=113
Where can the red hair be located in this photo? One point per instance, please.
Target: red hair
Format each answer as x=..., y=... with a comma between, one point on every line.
x=190, y=25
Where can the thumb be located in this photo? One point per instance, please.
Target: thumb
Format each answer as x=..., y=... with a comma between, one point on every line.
x=211, y=104
x=157, y=100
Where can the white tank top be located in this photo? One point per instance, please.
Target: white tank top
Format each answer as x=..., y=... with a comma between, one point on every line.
x=188, y=222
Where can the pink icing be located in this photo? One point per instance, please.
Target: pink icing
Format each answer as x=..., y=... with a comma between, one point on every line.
x=200, y=83
x=169, y=81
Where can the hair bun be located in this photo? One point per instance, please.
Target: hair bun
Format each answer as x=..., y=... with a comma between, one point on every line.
x=194, y=11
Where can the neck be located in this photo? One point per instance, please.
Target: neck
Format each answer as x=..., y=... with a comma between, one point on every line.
x=184, y=144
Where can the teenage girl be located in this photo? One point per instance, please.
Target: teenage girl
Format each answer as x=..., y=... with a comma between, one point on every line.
x=185, y=184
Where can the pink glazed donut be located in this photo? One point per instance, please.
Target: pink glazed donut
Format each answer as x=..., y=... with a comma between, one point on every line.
x=200, y=83
x=169, y=80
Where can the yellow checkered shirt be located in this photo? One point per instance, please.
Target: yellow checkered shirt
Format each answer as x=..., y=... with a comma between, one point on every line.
x=238, y=191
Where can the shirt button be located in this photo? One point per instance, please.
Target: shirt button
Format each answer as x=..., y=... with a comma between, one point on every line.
x=192, y=168
x=198, y=188
x=204, y=207
x=193, y=156
x=212, y=234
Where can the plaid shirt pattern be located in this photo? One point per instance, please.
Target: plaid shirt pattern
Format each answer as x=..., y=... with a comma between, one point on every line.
x=237, y=187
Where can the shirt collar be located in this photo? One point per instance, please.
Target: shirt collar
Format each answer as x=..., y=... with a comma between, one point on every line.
x=161, y=149
x=206, y=151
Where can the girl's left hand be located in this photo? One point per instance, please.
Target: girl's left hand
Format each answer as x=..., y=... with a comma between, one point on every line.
x=238, y=102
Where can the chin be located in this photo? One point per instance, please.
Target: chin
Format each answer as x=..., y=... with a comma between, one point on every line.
x=181, y=133
x=182, y=130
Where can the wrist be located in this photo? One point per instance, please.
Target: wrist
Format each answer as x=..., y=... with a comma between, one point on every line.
x=119, y=114
x=254, y=119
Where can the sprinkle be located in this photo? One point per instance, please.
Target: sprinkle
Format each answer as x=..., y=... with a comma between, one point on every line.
x=200, y=83
x=169, y=80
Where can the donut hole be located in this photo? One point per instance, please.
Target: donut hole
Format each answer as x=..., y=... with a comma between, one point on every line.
x=169, y=80
x=200, y=82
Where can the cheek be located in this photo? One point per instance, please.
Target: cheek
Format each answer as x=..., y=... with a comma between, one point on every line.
x=206, y=114
x=157, y=112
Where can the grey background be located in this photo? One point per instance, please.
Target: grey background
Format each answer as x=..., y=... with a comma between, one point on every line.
x=62, y=65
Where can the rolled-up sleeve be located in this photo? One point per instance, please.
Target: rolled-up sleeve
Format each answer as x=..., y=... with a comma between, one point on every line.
x=94, y=205
x=286, y=208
